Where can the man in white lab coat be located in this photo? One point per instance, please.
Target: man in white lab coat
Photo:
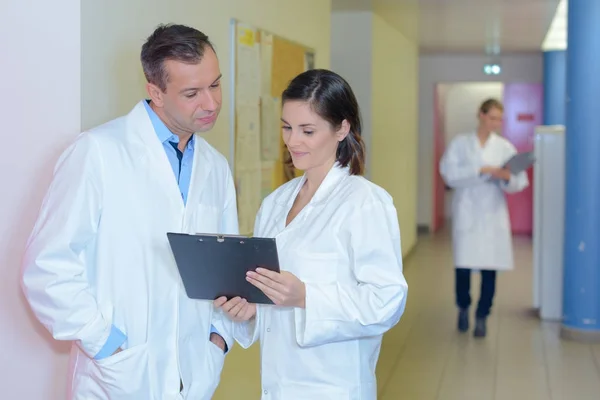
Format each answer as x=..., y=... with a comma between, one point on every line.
x=481, y=236
x=98, y=269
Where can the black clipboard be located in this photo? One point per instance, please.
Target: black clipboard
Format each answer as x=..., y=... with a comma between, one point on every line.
x=212, y=266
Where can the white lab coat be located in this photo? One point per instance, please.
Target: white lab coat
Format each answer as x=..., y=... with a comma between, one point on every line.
x=481, y=233
x=99, y=255
x=345, y=246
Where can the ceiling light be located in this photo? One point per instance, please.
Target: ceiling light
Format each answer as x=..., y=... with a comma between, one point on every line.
x=492, y=69
x=556, y=37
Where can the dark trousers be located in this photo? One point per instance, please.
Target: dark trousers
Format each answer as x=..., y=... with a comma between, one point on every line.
x=463, y=289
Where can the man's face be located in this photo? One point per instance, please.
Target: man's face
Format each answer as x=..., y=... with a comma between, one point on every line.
x=192, y=99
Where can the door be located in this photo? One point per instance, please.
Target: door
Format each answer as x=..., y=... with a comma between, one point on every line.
x=439, y=145
x=523, y=107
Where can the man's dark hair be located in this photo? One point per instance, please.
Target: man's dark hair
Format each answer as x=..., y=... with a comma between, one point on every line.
x=171, y=42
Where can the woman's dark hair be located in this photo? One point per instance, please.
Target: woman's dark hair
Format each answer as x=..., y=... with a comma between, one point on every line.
x=171, y=42
x=331, y=97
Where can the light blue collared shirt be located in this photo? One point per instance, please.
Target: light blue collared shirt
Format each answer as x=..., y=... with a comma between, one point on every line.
x=181, y=163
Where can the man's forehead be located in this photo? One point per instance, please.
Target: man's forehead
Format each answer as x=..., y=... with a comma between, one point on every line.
x=204, y=72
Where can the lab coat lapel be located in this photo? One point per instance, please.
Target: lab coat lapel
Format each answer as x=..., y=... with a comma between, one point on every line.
x=200, y=172
x=487, y=151
x=284, y=202
x=335, y=175
x=157, y=161
x=477, y=149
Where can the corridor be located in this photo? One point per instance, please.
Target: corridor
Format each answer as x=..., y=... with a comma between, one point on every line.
x=425, y=358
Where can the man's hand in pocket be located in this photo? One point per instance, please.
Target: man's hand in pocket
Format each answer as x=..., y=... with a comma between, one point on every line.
x=218, y=341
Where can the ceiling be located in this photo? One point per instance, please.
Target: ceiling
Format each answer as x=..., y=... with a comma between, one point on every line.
x=480, y=26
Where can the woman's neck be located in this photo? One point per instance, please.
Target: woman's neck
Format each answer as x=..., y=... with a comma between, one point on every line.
x=483, y=134
x=315, y=176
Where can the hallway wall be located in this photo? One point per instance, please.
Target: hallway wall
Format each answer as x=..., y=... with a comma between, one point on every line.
x=40, y=112
x=346, y=46
x=387, y=90
x=112, y=79
x=394, y=141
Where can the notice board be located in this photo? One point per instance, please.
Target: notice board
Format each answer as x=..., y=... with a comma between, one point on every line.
x=264, y=64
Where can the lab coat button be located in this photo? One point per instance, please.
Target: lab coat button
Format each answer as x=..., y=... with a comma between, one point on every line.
x=266, y=392
x=268, y=329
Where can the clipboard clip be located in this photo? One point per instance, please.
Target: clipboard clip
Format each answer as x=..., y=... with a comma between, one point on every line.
x=221, y=238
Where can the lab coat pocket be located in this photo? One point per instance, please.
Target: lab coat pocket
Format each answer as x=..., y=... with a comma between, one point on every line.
x=121, y=376
x=315, y=267
x=121, y=356
x=216, y=360
x=217, y=355
x=462, y=216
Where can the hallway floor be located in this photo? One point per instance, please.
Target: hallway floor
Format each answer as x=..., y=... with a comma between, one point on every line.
x=425, y=358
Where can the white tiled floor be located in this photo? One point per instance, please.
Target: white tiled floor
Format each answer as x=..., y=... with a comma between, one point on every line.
x=425, y=358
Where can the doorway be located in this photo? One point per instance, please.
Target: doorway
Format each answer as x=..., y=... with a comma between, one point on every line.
x=456, y=106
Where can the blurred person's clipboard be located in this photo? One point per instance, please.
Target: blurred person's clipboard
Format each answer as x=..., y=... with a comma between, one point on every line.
x=520, y=162
x=212, y=266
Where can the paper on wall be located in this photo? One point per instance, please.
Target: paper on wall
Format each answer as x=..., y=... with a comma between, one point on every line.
x=247, y=145
x=270, y=128
x=267, y=178
x=248, y=198
x=247, y=165
x=266, y=60
x=247, y=65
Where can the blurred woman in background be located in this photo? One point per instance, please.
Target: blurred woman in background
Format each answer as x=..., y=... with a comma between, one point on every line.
x=481, y=234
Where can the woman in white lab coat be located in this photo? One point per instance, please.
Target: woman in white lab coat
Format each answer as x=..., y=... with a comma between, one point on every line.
x=341, y=286
x=481, y=234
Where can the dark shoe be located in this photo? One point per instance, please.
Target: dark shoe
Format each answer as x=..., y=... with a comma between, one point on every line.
x=480, y=328
x=463, y=320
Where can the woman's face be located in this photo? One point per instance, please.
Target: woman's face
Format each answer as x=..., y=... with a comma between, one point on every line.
x=311, y=140
x=492, y=120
